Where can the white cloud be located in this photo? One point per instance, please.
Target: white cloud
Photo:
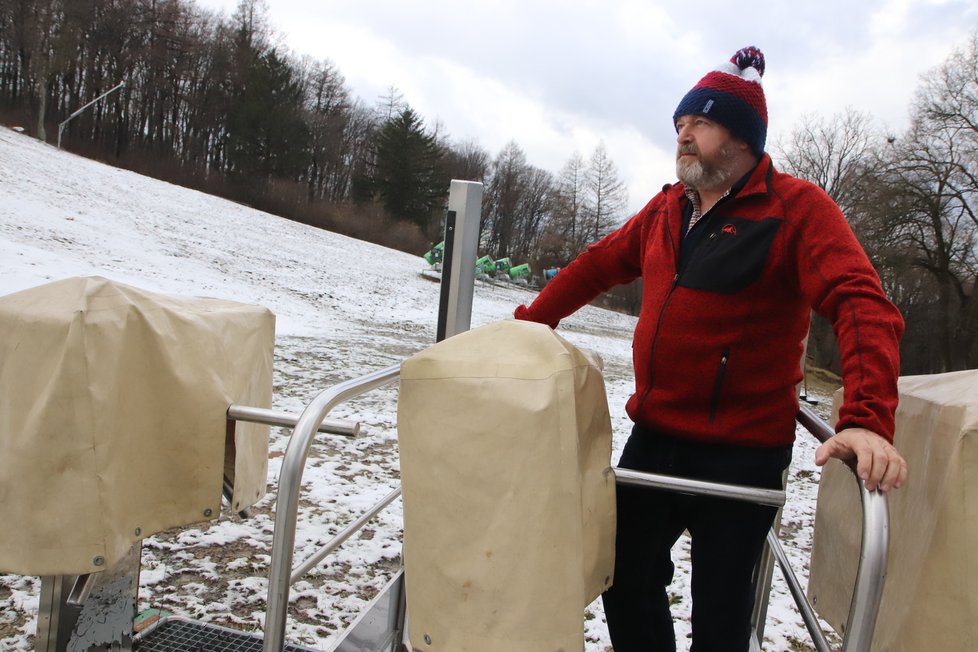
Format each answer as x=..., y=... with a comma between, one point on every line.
x=559, y=77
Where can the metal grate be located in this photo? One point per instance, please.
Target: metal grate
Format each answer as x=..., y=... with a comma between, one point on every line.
x=180, y=635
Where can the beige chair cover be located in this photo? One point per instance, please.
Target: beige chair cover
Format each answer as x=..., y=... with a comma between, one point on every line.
x=113, y=419
x=930, y=599
x=509, y=517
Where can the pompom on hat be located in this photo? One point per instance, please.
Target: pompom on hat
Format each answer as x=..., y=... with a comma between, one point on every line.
x=732, y=95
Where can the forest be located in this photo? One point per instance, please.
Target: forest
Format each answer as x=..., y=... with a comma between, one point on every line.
x=215, y=103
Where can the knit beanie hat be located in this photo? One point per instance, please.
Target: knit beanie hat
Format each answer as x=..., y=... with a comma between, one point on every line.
x=732, y=96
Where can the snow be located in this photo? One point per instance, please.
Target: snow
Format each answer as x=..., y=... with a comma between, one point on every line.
x=344, y=308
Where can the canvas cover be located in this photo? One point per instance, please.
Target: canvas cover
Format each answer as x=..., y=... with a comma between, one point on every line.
x=113, y=421
x=929, y=599
x=509, y=498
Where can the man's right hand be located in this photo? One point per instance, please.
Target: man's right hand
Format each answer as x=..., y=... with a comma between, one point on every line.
x=878, y=462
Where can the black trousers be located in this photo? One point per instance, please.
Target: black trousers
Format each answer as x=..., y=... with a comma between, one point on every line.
x=727, y=539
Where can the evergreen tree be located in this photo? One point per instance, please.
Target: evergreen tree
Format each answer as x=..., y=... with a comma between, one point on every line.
x=407, y=174
x=267, y=134
x=266, y=130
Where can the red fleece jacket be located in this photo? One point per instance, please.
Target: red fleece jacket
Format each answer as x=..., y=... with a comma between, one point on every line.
x=717, y=346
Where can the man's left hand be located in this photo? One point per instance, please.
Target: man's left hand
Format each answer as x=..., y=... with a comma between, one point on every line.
x=878, y=462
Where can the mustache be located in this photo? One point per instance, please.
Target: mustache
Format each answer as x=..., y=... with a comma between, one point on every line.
x=688, y=148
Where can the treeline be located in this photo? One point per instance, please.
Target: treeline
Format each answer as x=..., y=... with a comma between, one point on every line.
x=912, y=200
x=213, y=103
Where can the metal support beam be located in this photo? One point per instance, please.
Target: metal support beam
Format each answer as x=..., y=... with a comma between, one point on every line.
x=458, y=267
x=90, y=612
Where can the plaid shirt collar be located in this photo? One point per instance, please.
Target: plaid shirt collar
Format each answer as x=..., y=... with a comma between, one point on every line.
x=694, y=199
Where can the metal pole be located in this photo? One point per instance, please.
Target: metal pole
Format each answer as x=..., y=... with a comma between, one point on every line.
x=61, y=125
x=299, y=571
x=286, y=420
x=772, y=497
x=871, y=574
x=867, y=593
x=287, y=499
x=449, y=283
x=814, y=424
x=798, y=593
x=764, y=575
x=461, y=244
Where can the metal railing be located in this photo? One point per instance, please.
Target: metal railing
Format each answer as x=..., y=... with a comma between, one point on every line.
x=772, y=497
x=287, y=420
x=867, y=593
x=287, y=498
x=871, y=574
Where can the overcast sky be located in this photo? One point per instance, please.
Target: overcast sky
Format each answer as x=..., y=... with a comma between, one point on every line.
x=560, y=77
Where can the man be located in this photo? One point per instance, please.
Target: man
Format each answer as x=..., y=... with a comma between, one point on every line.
x=733, y=260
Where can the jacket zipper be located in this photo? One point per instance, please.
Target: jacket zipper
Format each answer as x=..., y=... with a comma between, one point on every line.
x=718, y=384
x=658, y=324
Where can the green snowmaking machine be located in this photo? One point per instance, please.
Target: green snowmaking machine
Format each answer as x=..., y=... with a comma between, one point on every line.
x=485, y=266
x=520, y=273
x=436, y=254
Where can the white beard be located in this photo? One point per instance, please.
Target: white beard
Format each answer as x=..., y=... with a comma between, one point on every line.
x=706, y=175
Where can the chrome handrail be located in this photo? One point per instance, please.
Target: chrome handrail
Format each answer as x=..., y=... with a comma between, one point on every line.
x=287, y=499
x=867, y=593
x=288, y=420
x=772, y=497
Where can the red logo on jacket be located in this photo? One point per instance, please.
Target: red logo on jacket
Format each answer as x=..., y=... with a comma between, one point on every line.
x=729, y=229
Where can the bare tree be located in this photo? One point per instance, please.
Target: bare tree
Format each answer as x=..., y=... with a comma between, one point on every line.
x=391, y=104
x=948, y=101
x=606, y=194
x=931, y=220
x=533, y=212
x=841, y=155
x=516, y=205
x=328, y=114
x=467, y=161
x=567, y=231
x=835, y=154
x=34, y=51
x=501, y=199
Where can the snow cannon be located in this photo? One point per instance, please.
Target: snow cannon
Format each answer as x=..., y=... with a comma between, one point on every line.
x=520, y=273
x=502, y=267
x=485, y=266
x=436, y=254
x=548, y=274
